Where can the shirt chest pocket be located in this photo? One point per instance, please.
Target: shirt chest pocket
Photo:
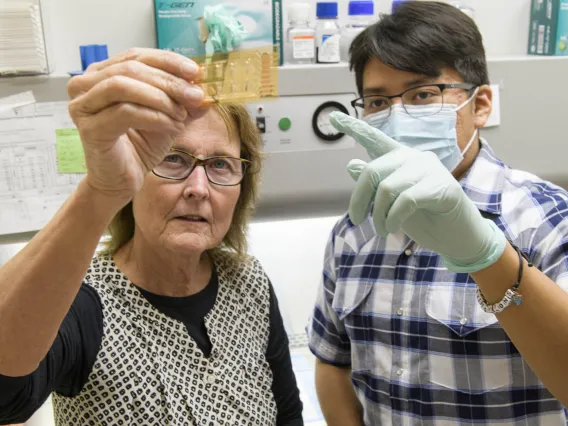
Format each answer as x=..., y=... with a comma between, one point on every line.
x=468, y=351
x=352, y=305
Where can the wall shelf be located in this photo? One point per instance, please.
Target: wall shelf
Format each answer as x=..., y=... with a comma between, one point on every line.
x=295, y=80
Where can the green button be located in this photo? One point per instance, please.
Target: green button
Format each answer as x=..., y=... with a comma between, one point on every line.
x=285, y=124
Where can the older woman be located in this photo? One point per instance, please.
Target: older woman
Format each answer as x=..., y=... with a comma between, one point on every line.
x=174, y=324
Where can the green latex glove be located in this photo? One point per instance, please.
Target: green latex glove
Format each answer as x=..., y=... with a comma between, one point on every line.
x=225, y=32
x=414, y=192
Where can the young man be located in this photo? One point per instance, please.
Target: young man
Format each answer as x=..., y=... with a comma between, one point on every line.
x=427, y=314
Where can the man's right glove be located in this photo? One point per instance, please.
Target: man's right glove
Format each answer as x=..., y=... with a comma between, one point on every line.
x=413, y=192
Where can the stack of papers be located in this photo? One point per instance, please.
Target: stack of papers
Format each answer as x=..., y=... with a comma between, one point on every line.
x=22, y=40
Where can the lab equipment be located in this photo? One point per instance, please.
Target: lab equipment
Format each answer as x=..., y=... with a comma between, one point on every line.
x=327, y=33
x=300, y=45
x=424, y=200
x=23, y=40
x=360, y=17
x=320, y=122
x=204, y=27
x=287, y=127
x=548, y=32
x=240, y=76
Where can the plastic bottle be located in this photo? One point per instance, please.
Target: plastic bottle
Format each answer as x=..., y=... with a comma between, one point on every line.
x=327, y=33
x=301, y=38
x=360, y=17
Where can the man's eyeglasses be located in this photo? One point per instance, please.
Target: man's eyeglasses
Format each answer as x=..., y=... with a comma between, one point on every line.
x=430, y=94
x=220, y=170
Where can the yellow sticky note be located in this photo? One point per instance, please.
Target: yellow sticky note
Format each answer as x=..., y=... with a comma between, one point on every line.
x=70, y=154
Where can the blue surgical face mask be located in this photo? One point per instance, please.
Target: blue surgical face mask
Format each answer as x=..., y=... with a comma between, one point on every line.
x=432, y=131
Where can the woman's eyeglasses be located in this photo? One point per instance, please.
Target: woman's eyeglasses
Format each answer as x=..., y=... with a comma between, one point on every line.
x=220, y=170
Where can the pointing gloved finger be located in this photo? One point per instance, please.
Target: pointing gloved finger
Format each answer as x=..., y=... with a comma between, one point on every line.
x=355, y=168
x=374, y=141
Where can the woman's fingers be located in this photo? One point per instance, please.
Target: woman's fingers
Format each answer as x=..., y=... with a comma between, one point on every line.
x=121, y=89
x=179, y=90
x=170, y=62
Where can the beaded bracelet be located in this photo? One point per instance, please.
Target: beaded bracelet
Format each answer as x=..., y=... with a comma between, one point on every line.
x=511, y=295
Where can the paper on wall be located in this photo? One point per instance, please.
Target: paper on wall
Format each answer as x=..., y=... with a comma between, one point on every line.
x=31, y=189
x=17, y=100
x=70, y=154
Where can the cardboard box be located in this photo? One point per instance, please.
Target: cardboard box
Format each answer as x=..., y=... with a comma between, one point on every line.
x=180, y=25
x=548, y=32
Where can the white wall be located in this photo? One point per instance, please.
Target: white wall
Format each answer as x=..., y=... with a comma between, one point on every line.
x=127, y=23
x=291, y=252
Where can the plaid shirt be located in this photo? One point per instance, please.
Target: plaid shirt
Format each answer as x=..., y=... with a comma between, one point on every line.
x=421, y=350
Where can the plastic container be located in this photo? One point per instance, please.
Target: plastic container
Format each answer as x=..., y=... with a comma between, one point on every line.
x=300, y=37
x=328, y=33
x=361, y=15
x=396, y=3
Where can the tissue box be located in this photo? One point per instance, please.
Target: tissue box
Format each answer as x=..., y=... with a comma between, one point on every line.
x=180, y=26
x=548, y=33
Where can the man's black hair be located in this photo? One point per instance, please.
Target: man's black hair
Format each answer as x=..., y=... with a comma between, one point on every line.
x=422, y=38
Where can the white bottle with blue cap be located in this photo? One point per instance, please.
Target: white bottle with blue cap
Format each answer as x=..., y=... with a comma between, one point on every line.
x=327, y=33
x=361, y=15
x=300, y=38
